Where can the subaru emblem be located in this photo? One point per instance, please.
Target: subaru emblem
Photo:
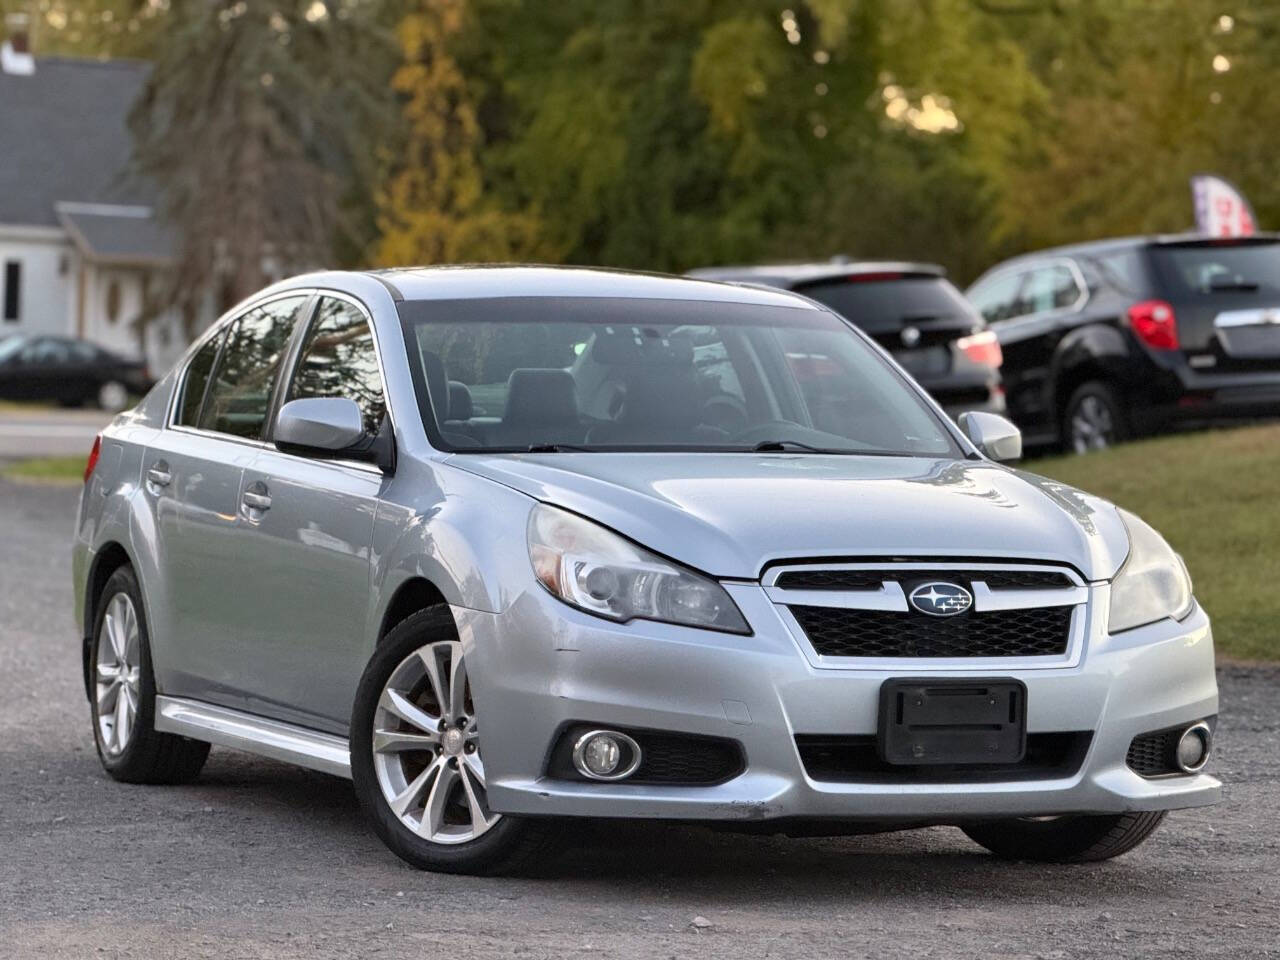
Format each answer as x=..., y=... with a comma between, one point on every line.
x=940, y=599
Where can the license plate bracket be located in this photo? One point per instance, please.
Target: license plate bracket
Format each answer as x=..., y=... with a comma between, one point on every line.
x=932, y=721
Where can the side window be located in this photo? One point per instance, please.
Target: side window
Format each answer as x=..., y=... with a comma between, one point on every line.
x=197, y=379
x=240, y=394
x=997, y=298
x=339, y=360
x=46, y=352
x=1050, y=288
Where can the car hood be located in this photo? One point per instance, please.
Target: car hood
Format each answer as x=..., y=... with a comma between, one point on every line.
x=730, y=515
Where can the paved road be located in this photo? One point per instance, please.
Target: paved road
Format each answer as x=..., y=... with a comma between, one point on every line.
x=261, y=860
x=37, y=432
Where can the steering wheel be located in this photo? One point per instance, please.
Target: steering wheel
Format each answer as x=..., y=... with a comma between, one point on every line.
x=725, y=412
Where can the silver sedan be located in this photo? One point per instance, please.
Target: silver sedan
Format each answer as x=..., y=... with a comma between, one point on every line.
x=508, y=546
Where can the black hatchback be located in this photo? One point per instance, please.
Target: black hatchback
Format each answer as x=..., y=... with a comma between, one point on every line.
x=68, y=371
x=910, y=309
x=1112, y=339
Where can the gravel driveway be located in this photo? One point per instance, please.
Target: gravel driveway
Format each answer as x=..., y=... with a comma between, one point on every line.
x=258, y=859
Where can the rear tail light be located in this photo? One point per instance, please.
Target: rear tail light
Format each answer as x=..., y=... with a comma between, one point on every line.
x=982, y=348
x=93, y=457
x=1154, y=323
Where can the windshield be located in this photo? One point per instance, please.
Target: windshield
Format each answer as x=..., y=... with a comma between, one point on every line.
x=559, y=374
x=9, y=345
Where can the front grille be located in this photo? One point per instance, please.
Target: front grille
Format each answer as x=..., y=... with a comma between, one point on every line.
x=855, y=759
x=872, y=579
x=672, y=759
x=843, y=632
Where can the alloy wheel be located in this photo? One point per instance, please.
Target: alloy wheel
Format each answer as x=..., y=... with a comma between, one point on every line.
x=118, y=674
x=113, y=397
x=1092, y=425
x=426, y=747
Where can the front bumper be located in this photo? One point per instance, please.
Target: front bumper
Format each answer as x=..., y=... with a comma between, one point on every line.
x=541, y=664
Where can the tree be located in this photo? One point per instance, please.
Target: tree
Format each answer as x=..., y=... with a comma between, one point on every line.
x=253, y=122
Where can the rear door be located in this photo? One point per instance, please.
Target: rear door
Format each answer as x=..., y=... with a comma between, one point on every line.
x=306, y=604
x=1225, y=296
x=192, y=475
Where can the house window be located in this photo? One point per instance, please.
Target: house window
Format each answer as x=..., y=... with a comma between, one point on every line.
x=12, y=290
x=113, y=301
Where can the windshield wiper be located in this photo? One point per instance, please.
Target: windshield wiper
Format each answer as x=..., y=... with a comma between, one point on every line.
x=775, y=446
x=1245, y=285
x=556, y=448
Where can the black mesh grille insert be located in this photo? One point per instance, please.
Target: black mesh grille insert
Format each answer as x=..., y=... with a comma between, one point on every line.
x=871, y=579
x=1152, y=754
x=842, y=632
x=854, y=759
x=685, y=759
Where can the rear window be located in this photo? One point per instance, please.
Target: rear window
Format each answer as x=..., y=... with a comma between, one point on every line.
x=1215, y=267
x=878, y=306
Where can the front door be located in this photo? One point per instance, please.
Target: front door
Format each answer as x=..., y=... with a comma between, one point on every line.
x=309, y=529
x=193, y=476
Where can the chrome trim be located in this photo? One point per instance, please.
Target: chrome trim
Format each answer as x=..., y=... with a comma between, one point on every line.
x=984, y=599
x=581, y=743
x=1077, y=275
x=1206, y=736
x=1258, y=317
x=243, y=731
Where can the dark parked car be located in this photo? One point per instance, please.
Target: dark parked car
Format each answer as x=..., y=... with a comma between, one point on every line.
x=910, y=309
x=1111, y=339
x=67, y=371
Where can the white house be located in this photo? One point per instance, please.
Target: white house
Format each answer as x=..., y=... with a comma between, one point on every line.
x=80, y=243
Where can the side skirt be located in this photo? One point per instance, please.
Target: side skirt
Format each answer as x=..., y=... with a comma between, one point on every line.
x=243, y=731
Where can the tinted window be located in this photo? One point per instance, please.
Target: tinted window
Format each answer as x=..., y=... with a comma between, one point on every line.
x=196, y=380
x=46, y=352
x=339, y=360
x=997, y=298
x=885, y=305
x=603, y=374
x=1048, y=288
x=240, y=394
x=1206, y=268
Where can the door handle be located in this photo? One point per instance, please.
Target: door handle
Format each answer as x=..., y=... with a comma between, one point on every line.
x=159, y=474
x=256, y=501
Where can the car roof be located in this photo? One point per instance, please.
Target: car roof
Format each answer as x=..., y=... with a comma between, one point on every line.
x=485, y=281
x=797, y=274
x=1112, y=244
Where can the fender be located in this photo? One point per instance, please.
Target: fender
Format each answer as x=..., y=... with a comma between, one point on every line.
x=1100, y=345
x=453, y=529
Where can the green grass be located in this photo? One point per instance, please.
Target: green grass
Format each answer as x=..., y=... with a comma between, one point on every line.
x=1214, y=497
x=47, y=470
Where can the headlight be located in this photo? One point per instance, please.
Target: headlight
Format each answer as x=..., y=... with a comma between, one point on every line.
x=596, y=570
x=1152, y=584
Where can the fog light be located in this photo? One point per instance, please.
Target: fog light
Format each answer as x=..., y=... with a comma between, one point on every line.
x=606, y=755
x=1193, y=748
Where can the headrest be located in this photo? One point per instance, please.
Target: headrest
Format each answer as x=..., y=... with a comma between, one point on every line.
x=459, y=401
x=540, y=396
x=437, y=384
x=634, y=345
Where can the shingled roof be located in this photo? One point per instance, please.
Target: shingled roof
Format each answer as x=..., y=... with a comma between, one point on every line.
x=64, y=140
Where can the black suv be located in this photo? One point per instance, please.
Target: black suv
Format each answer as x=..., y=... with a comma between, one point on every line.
x=1116, y=338
x=910, y=309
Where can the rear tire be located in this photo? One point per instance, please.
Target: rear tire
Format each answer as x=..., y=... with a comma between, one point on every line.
x=1070, y=839
x=122, y=694
x=414, y=700
x=1094, y=418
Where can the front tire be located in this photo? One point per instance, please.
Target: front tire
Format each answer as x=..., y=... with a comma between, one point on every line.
x=1070, y=839
x=113, y=396
x=123, y=694
x=416, y=761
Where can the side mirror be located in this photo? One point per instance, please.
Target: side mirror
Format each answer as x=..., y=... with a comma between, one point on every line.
x=994, y=436
x=325, y=424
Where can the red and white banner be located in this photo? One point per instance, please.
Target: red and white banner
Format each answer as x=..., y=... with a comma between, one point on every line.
x=1221, y=210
